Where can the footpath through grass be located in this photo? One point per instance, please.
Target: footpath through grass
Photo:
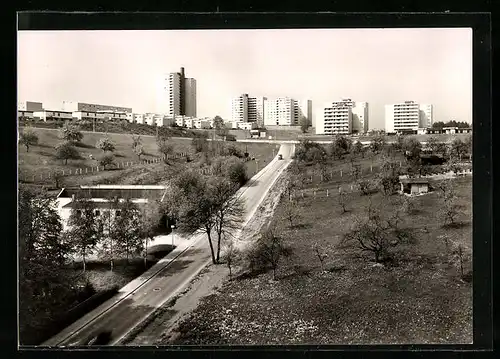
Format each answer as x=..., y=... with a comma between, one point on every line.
x=417, y=298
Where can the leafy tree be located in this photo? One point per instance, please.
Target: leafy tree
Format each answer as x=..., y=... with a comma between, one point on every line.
x=70, y=133
x=200, y=143
x=233, y=151
x=433, y=144
x=458, y=148
x=377, y=144
x=438, y=125
x=149, y=224
x=105, y=144
x=304, y=124
x=40, y=227
x=412, y=148
x=164, y=146
x=218, y=122
x=365, y=186
x=192, y=206
x=86, y=227
x=340, y=146
x=107, y=160
x=66, y=151
x=126, y=232
x=28, y=138
x=358, y=149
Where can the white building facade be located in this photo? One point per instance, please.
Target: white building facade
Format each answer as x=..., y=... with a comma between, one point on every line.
x=407, y=116
x=239, y=108
x=279, y=112
x=178, y=95
x=52, y=115
x=336, y=119
x=426, y=115
x=343, y=117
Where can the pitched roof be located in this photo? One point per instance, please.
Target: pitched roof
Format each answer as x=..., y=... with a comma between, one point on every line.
x=414, y=180
x=107, y=192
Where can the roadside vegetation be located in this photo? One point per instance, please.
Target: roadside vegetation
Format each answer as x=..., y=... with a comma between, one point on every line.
x=57, y=276
x=360, y=266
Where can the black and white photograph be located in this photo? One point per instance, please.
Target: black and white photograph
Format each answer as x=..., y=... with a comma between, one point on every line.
x=245, y=187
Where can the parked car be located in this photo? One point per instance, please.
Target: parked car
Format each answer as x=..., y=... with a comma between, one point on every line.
x=280, y=156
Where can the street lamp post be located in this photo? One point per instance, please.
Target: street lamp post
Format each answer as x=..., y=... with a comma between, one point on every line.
x=172, y=226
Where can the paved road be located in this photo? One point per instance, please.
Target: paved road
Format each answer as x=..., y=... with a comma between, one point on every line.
x=124, y=313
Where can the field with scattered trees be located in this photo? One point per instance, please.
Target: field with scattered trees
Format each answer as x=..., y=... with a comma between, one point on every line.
x=360, y=266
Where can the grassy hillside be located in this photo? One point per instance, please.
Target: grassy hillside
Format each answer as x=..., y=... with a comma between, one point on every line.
x=40, y=159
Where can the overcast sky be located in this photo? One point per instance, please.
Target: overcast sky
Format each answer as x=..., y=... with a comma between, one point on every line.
x=380, y=66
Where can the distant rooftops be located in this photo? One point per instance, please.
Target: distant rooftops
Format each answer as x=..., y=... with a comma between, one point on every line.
x=106, y=192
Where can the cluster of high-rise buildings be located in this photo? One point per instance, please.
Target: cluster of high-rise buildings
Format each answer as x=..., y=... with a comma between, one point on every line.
x=178, y=106
x=251, y=112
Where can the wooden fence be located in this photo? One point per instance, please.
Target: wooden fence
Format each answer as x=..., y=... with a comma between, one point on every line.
x=85, y=170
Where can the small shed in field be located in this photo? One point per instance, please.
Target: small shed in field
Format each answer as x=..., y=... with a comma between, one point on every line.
x=414, y=185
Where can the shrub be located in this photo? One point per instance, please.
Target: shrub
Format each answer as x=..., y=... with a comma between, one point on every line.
x=107, y=160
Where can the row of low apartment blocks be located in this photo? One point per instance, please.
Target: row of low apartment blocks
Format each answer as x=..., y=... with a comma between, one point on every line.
x=249, y=112
x=85, y=111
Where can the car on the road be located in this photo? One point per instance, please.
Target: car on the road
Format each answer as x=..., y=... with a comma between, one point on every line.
x=280, y=156
x=102, y=338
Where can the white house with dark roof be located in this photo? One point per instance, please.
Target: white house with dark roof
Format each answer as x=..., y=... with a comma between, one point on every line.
x=103, y=195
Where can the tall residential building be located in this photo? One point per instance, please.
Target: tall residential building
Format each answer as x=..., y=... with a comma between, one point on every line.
x=239, y=108
x=426, y=115
x=245, y=108
x=408, y=115
x=279, y=112
x=190, y=97
x=360, y=117
x=336, y=119
x=343, y=117
x=179, y=93
x=302, y=109
x=285, y=111
x=256, y=108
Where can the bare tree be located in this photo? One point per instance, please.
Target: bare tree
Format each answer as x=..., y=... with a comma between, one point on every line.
x=230, y=255
x=377, y=234
x=321, y=256
x=342, y=200
x=270, y=249
x=291, y=212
